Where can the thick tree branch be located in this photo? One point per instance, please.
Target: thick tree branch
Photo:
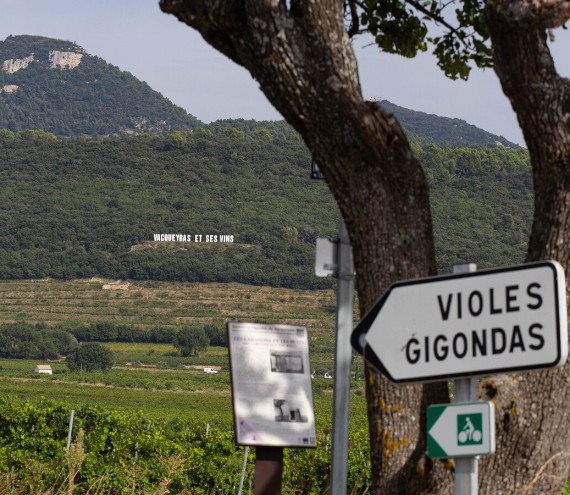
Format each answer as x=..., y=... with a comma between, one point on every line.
x=539, y=14
x=534, y=406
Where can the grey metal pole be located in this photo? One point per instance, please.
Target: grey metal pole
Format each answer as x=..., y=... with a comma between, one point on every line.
x=343, y=362
x=466, y=468
x=243, y=467
x=70, y=429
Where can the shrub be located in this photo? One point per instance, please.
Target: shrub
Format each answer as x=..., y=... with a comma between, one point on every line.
x=190, y=340
x=90, y=356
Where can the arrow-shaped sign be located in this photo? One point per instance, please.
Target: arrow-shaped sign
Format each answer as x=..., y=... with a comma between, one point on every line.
x=478, y=323
x=461, y=430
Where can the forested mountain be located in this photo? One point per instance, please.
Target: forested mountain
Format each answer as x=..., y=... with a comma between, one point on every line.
x=443, y=131
x=54, y=85
x=227, y=201
x=81, y=208
x=421, y=128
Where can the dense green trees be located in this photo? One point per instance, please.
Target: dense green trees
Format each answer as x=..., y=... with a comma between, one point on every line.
x=443, y=131
x=482, y=204
x=216, y=334
x=24, y=341
x=190, y=340
x=84, y=208
x=90, y=356
x=113, y=332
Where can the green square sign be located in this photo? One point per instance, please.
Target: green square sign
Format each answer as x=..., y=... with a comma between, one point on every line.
x=461, y=430
x=470, y=429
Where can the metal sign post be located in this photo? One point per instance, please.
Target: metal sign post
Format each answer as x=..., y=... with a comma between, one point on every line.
x=466, y=468
x=335, y=259
x=342, y=364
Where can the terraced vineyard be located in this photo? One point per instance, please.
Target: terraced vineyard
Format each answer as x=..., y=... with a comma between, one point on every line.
x=147, y=304
x=165, y=303
x=154, y=377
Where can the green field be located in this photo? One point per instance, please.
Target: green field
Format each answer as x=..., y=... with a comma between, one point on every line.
x=152, y=382
x=159, y=393
x=154, y=377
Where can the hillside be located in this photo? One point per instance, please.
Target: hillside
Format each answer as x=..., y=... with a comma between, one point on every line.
x=227, y=201
x=84, y=208
x=421, y=128
x=56, y=86
x=444, y=131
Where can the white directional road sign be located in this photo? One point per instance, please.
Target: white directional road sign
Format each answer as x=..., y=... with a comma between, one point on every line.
x=461, y=430
x=478, y=323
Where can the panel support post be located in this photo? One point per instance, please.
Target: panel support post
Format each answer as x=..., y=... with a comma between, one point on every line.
x=70, y=429
x=343, y=364
x=268, y=470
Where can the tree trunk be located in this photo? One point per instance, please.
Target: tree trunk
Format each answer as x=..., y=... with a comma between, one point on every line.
x=303, y=60
x=533, y=409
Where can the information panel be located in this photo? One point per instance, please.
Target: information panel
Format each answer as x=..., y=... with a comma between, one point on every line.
x=271, y=385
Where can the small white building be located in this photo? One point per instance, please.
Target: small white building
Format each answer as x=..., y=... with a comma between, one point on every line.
x=43, y=368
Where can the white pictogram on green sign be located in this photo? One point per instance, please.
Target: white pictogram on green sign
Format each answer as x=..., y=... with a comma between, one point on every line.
x=469, y=427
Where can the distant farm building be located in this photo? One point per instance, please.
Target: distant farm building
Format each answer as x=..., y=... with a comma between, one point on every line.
x=43, y=368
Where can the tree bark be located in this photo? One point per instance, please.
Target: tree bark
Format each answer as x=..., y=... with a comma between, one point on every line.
x=300, y=54
x=533, y=409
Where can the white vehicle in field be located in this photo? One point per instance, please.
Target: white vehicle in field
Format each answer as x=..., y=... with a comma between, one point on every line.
x=210, y=370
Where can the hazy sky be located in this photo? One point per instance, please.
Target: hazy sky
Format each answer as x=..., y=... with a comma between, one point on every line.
x=136, y=36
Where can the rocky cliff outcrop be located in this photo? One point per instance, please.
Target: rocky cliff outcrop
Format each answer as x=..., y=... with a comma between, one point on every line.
x=57, y=59
x=10, y=88
x=14, y=65
x=64, y=60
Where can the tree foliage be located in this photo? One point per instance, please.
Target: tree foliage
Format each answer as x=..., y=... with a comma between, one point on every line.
x=216, y=334
x=190, y=340
x=460, y=38
x=120, y=332
x=90, y=356
x=24, y=341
